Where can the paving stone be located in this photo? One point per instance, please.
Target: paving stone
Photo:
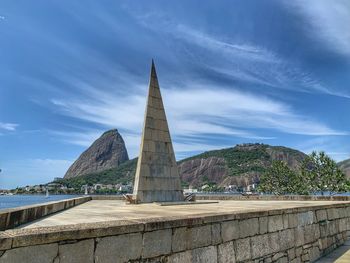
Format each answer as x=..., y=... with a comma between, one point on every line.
x=156, y=243
x=82, y=251
x=118, y=248
x=31, y=254
x=226, y=253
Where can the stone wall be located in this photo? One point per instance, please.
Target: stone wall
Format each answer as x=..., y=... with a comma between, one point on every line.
x=10, y=218
x=284, y=235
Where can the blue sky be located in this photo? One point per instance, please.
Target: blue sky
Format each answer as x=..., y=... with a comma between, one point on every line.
x=275, y=72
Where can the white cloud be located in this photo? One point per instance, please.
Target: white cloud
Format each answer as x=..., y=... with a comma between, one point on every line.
x=8, y=126
x=2, y=18
x=330, y=21
x=192, y=113
x=240, y=60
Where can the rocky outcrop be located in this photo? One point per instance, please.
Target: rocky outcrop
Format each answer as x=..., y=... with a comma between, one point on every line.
x=197, y=170
x=241, y=165
x=345, y=166
x=106, y=152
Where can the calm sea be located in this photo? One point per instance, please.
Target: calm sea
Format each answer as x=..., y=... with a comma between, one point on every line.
x=10, y=201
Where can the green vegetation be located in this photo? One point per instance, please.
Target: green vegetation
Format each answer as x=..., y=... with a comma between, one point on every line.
x=279, y=179
x=318, y=174
x=323, y=174
x=120, y=175
x=248, y=158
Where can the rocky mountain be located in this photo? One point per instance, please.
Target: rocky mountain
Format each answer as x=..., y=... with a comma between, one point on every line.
x=107, y=152
x=240, y=165
x=345, y=166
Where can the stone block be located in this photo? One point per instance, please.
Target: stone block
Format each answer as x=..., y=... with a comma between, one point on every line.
x=188, y=238
x=299, y=236
x=118, y=248
x=179, y=239
x=242, y=249
x=248, y=227
x=285, y=221
x=229, y=230
x=321, y=215
x=205, y=255
x=216, y=234
x=292, y=220
x=263, y=225
x=156, y=243
x=226, y=253
x=275, y=223
x=181, y=257
x=82, y=251
x=305, y=218
x=291, y=253
x=5, y=243
x=274, y=242
x=332, y=213
x=311, y=233
x=199, y=236
x=287, y=239
x=277, y=256
x=343, y=225
x=298, y=251
x=31, y=254
x=314, y=253
x=259, y=246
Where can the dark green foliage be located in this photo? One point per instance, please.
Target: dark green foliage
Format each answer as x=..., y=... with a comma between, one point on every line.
x=248, y=158
x=323, y=174
x=122, y=174
x=279, y=179
x=318, y=174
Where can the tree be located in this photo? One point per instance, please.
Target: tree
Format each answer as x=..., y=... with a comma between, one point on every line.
x=279, y=179
x=323, y=174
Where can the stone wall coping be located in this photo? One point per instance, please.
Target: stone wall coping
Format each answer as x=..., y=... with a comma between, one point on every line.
x=13, y=217
x=35, y=236
x=247, y=197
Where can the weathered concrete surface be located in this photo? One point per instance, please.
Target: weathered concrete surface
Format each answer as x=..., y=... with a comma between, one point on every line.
x=10, y=218
x=157, y=178
x=110, y=210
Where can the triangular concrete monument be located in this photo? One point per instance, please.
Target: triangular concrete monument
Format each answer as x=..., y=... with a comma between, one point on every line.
x=157, y=178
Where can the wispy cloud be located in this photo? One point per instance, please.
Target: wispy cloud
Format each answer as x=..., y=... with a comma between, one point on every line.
x=8, y=126
x=330, y=21
x=330, y=145
x=193, y=112
x=241, y=60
